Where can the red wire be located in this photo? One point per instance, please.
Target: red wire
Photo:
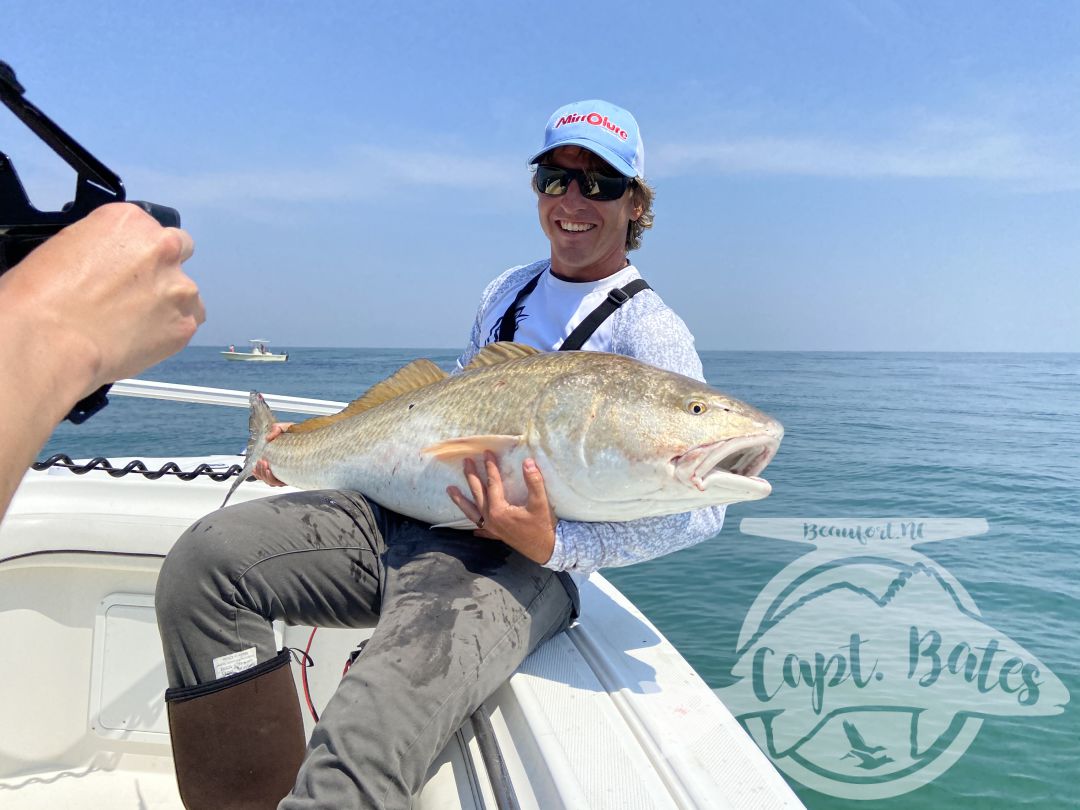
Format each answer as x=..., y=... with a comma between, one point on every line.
x=303, y=675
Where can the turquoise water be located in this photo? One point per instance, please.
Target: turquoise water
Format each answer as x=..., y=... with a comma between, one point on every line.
x=869, y=436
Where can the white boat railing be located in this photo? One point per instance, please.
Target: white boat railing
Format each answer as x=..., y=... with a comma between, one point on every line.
x=175, y=392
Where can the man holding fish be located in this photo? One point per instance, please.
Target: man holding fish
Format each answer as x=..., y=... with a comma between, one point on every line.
x=496, y=448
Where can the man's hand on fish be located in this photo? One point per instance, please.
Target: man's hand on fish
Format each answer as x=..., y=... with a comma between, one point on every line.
x=528, y=529
x=262, y=467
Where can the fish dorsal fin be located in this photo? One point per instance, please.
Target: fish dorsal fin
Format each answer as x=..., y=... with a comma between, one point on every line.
x=418, y=374
x=501, y=352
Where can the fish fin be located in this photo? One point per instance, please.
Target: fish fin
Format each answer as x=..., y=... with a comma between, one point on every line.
x=454, y=450
x=418, y=374
x=462, y=523
x=260, y=420
x=502, y=352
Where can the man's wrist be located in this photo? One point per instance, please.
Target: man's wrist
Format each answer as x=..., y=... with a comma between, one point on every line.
x=538, y=549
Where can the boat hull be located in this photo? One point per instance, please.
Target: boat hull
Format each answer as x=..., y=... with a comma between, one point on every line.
x=255, y=358
x=605, y=715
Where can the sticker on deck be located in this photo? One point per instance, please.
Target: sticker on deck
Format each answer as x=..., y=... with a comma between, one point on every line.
x=234, y=662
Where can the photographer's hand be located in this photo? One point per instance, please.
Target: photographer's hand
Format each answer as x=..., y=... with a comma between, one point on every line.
x=101, y=300
x=108, y=291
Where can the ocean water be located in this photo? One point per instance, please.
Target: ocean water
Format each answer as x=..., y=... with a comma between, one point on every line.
x=874, y=437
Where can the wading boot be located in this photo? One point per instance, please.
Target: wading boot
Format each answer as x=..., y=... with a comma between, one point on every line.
x=238, y=741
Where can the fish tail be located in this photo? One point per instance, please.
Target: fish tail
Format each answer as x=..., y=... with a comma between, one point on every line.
x=260, y=420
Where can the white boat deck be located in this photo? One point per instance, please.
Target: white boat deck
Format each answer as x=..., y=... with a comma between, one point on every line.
x=607, y=715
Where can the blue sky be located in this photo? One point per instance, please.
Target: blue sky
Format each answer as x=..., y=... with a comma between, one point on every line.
x=830, y=175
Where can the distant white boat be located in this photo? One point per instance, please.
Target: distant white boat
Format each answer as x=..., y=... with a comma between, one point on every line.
x=259, y=353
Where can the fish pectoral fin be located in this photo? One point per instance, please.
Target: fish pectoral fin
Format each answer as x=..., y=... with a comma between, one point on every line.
x=464, y=524
x=457, y=450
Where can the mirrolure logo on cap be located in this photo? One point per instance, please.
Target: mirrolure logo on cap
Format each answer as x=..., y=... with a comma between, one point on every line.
x=597, y=120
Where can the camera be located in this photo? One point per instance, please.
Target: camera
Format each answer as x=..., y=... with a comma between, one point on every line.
x=23, y=227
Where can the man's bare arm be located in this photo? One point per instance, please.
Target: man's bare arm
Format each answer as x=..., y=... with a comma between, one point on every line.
x=100, y=301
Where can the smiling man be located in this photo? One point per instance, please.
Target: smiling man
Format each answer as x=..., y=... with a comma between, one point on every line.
x=594, y=206
x=456, y=612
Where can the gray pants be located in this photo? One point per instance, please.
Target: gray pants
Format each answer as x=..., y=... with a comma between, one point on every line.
x=456, y=616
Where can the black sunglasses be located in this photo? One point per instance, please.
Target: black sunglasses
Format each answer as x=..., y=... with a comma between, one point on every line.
x=554, y=181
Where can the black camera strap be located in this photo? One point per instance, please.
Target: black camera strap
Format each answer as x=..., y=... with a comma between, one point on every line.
x=584, y=330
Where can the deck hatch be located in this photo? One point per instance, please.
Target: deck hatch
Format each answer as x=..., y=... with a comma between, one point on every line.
x=128, y=678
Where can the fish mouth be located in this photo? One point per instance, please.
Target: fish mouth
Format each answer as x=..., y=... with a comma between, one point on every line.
x=729, y=462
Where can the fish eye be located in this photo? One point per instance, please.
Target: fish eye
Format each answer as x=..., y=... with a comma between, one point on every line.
x=696, y=407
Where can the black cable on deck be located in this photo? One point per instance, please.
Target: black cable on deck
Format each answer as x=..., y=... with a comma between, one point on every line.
x=136, y=467
x=505, y=798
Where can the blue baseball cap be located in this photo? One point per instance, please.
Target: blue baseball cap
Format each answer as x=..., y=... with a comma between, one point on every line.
x=607, y=131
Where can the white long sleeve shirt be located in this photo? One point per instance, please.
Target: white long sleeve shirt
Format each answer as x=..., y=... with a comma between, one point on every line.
x=644, y=328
